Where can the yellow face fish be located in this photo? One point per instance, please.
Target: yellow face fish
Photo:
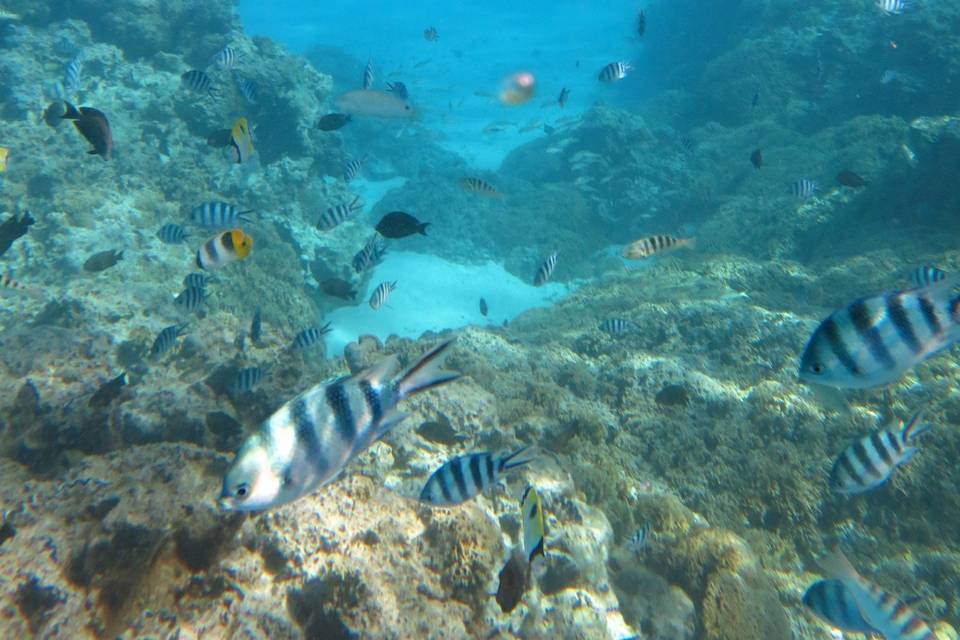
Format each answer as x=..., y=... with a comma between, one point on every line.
x=224, y=248
x=533, y=524
x=4, y=152
x=241, y=141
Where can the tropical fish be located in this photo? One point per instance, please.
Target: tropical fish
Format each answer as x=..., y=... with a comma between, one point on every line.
x=512, y=581
x=338, y=288
x=848, y=178
x=875, y=340
x=687, y=144
x=308, y=442
x=246, y=87
x=831, y=601
x=618, y=326
x=246, y=379
x=545, y=270
x=4, y=155
x=256, y=327
x=224, y=248
x=614, y=72
x=335, y=215
x=399, y=89
x=10, y=286
x=430, y=34
x=804, y=188
x=368, y=75
x=926, y=276
x=564, y=95
x=309, y=337
x=199, y=81
x=166, y=339
x=197, y=280
x=755, y=100
x=641, y=23
x=370, y=255
x=381, y=293
x=352, y=169
x=398, y=224
x=638, y=541
x=534, y=528
x=653, y=245
x=71, y=76
x=476, y=185
x=241, y=141
x=887, y=615
x=870, y=461
x=93, y=126
x=333, y=121
x=108, y=391
x=893, y=7
x=218, y=214
x=483, y=307
x=467, y=476
x=375, y=104
x=53, y=114
x=171, y=233
x=756, y=158
x=102, y=260
x=227, y=58
x=190, y=299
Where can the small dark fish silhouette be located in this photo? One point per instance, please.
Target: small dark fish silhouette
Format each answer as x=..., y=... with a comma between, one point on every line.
x=756, y=99
x=94, y=126
x=108, y=391
x=849, y=179
x=256, y=327
x=220, y=138
x=564, y=95
x=13, y=228
x=338, y=288
x=483, y=307
x=512, y=582
x=641, y=23
x=333, y=121
x=398, y=224
x=757, y=158
x=53, y=115
x=102, y=261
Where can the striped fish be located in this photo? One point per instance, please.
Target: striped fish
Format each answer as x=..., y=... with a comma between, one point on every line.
x=228, y=58
x=371, y=254
x=309, y=337
x=830, y=600
x=804, y=188
x=72, y=75
x=614, y=72
x=476, y=185
x=618, y=326
x=368, y=75
x=639, y=540
x=11, y=286
x=246, y=87
x=534, y=528
x=887, y=615
x=241, y=141
x=381, y=293
x=308, y=441
x=197, y=280
x=224, y=248
x=190, y=299
x=651, y=245
x=545, y=270
x=199, y=81
x=352, y=169
x=893, y=7
x=870, y=461
x=926, y=276
x=467, y=476
x=399, y=89
x=166, y=339
x=875, y=340
x=334, y=216
x=172, y=233
x=246, y=379
x=218, y=214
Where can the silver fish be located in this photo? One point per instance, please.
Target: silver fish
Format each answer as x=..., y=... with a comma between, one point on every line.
x=804, y=188
x=335, y=215
x=308, y=442
x=870, y=461
x=545, y=270
x=166, y=339
x=830, y=600
x=218, y=214
x=190, y=299
x=371, y=254
x=467, y=476
x=228, y=58
x=926, y=276
x=309, y=337
x=368, y=75
x=381, y=293
x=614, y=72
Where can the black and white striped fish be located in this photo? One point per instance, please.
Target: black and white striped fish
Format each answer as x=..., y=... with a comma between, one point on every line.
x=228, y=58
x=309, y=337
x=831, y=601
x=893, y=7
x=246, y=87
x=545, y=270
x=639, y=540
x=246, y=379
x=166, y=339
x=368, y=75
x=614, y=71
x=171, y=233
x=218, y=214
x=804, y=188
x=197, y=280
x=398, y=89
x=371, y=254
x=870, y=461
x=334, y=216
x=618, y=326
x=72, y=75
x=308, y=441
x=467, y=476
x=381, y=293
x=875, y=340
x=926, y=276
x=190, y=299
x=199, y=81
x=352, y=169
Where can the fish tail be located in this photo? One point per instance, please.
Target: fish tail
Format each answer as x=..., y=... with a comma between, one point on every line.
x=423, y=228
x=71, y=113
x=425, y=373
x=505, y=462
x=836, y=566
x=914, y=427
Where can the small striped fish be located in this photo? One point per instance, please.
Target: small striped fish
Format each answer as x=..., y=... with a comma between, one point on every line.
x=334, y=216
x=926, y=276
x=893, y=7
x=476, y=185
x=197, y=280
x=870, y=461
x=371, y=254
x=218, y=214
x=614, y=72
x=72, y=75
x=381, y=293
x=190, y=299
x=830, y=600
x=545, y=270
x=166, y=339
x=199, y=81
x=368, y=75
x=534, y=527
x=398, y=89
x=804, y=188
x=888, y=616
x=309, y=337
x=246, y=379
x=467, y=476
x=246, y=87
x=875, y=340
x=227, y=58
x=618, y=326
x=639, y=540
x=352, y=169
x=172, y=233
x=11, y=286
x=652, y=245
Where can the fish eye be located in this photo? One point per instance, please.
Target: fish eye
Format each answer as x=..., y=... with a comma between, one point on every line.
x=816, y=368
x=242, y=490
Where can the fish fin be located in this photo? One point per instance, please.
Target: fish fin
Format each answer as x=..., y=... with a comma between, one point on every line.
x=71, y=112
x=505, y=461
x=914, y=427
x=379, y=371
x=836, y=566
x=908, y=454
x=423, y=228
x=425, y=373
x=92, y=152
x=388, y=422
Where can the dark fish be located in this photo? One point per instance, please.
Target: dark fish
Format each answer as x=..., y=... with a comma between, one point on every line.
x=246, y=379
x=53, y=114
x=199, y=81
x=547, y=129
x=338, y=288
x=430, y=34
x=190, y=299
x=512, y=582
x=93, y=126
x=13, y=228
x=371, y=254
x=756, y=99
x=848, y=178
x=804, y=188
x=830, y=600
x=309, y=337
x=256, y=327
x=171, y=233
x=381, y=293
x=228, y=58
x=399, y=89
x=464, y=477
x=103, y=260
x=483, y=307
x=545, y=270
x=926, y=276
x=197, y=280
x=108, y=391
x=336, y=215
x=220, y=138
x=687, y=144
x=757, y=158
x=562, y=100
x=641, y=23
x=166, y=339
x=333, y=121
x=398, y=224
x=246, y=87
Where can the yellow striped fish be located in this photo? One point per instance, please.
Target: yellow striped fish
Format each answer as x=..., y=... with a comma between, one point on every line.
x=241, y=141
x=533, y=524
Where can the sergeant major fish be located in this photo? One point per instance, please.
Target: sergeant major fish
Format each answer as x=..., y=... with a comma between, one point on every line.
x=618, y=326
x=614, y=72
x=308, y=442
x=830, y=600
x=925, y=276
x=545, y=270
x=653, y=245
x=227, y=58
x=334, y=216
x=246, y=87
x=309, y=337
x=370, y=255
x=246, y=379
x=352, y=169
x=218, y=214
x=467, y=476
x=171, y=233
x=368, y=75
x=190, y=299
x=804, y=188
x=166, y=339
x=379, y=296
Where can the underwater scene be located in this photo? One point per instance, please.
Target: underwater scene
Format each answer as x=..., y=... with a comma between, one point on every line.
x=440, y=320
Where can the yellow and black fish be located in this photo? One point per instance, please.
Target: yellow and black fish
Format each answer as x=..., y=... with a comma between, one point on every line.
x=533, y=524
x=224, y=248
x=241, y=141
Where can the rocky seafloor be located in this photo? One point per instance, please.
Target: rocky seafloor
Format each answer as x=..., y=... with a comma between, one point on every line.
x=694, y=423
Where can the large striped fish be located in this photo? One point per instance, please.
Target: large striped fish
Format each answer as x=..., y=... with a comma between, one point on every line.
x=830, y=600
x=870, y=461
x=888, y=616
x=308, y=441
x=466, y=476
x=875, y=340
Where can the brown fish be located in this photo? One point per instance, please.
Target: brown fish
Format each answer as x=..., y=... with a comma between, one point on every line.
x=651, y=245
x=849, y=179
x=377, y=104
x=94, y=126
x=513, y=582
x=398, y=224
x=338, y=288
x=333, y=121
x=757, y=158
x=102, y=261
x=483, y=307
